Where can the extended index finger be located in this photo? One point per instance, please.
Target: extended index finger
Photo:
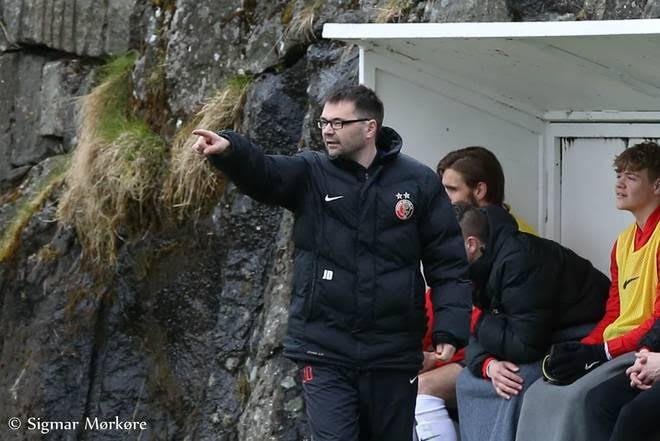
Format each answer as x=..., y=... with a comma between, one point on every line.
x=209, y=135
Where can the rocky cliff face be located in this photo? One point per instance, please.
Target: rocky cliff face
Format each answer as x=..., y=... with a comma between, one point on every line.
x=185, y=331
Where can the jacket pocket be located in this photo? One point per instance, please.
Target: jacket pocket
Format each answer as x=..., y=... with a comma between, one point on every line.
x=310, y=294
x=304, y=286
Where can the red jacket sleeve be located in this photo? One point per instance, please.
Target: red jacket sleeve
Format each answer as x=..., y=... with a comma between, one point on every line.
x=484, y=366
x=612, y=308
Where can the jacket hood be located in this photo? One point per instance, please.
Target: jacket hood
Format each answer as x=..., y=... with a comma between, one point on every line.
x=501, y=225
x=388, y=143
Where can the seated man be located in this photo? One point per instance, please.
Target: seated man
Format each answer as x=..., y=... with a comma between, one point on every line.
x=632, y=307
x=471, y=175
x=527, y=288
x=626, y=406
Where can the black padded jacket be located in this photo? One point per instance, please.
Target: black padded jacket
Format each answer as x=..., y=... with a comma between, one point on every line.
x=528, y=288
x=359, y=236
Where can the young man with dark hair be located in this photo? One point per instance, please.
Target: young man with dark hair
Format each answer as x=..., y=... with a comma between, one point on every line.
x=365, y=216
x=632, y=308
x=527, y=289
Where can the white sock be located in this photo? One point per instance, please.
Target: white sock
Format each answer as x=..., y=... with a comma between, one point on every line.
x=433, y=422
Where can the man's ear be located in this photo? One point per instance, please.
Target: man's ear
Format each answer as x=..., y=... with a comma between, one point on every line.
x=372, y=128
x=480, y=191
x=472, y=244
x=656, y=187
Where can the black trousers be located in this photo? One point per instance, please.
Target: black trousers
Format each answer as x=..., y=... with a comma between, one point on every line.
x=618, y=412
x=355, y=405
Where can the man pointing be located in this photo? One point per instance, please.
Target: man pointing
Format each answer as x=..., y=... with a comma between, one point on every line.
x=365, y=216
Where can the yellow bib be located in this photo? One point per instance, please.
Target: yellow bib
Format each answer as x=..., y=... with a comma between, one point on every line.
x=524, y=226
x=638, y=281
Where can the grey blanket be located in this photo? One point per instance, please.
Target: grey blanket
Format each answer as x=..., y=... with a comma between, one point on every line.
x=557, y=413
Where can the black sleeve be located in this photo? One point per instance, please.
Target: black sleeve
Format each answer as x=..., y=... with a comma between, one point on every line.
x=652, y=338
x=518, y=328
x=445, y=269
x=475, y=355
x=271, y=179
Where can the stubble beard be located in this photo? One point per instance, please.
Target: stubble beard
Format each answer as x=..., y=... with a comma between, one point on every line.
x=472, y=200
x=343, y=150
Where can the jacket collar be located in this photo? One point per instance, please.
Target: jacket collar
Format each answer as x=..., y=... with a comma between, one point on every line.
x=501, y=226
x=388, y=145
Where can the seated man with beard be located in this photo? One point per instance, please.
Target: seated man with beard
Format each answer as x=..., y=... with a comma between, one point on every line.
x=474, y=176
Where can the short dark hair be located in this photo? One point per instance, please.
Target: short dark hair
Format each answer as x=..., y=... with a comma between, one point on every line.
x=645, y=155
x=473, y=221
x=477, y=164
x=366, y=102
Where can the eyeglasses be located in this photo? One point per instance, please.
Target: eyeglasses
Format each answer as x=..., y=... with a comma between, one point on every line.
x=337, y=124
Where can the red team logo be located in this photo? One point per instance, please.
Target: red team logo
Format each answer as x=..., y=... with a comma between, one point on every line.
x=307, y=374
x=404, y=208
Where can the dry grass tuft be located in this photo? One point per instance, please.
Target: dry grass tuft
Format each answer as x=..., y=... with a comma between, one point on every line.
x=192, y=184
x=47, y=253
x=11, y=238
x=300, y=26
x=393, y=11
x=116, y=171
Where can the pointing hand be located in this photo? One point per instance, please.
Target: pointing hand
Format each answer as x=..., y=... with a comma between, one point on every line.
x=209, y=143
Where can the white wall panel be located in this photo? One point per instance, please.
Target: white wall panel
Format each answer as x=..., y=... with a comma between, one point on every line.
x=433, y=124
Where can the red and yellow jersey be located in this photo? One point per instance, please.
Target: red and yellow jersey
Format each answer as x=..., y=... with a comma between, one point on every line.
x=638, y=279
x=634, y=303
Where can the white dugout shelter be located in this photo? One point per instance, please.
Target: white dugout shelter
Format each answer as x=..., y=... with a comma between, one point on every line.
x=555, y=101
